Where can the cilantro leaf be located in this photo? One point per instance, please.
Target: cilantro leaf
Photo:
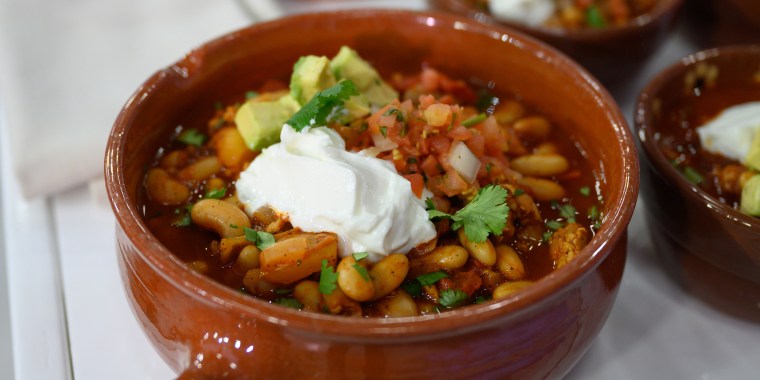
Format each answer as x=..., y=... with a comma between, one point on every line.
x=359, y=256
x=216, y=193
x=191, y=137
x=585, y=191
x=289, y=302
x=328, y=279
x=452, y=298
x=567, y=211
x=317, y=110
x=262, y=239
x=429, y=205
x=482, y=299
x=486, y=213
x=431, y=278
x=362, y=271
x=183, y=222
x=554, y=225
x=413, y=287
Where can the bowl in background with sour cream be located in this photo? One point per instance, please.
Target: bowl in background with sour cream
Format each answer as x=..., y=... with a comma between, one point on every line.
x=612, y=52
x=696, y=122
x=204, y=329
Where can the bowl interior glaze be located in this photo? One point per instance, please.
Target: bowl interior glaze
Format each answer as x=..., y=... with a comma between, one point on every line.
x=393, y=41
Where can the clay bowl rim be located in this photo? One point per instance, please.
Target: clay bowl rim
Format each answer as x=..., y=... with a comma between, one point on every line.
x=645, y=128
x=583, y=35
x=454, y=322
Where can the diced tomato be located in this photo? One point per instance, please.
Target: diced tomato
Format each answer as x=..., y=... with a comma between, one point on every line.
x=426, y=101
x=495, y=138
x=418, y=183
x=460, y=133
x=430, y=166
x=453, y=184
x=429, y=79
x=439, y=144
x=477, y=144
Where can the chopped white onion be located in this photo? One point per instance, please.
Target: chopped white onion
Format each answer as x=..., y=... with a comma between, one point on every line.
x=464, y=161
x=383, y=143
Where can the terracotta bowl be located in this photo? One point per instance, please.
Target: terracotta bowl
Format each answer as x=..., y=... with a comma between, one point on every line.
x=711, y=248
x=613, y=54
x=202, y=328
x=724, y=22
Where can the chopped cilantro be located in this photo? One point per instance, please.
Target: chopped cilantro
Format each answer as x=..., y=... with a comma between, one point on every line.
x=595, y=216
x=384, y=131
x=362, y=271
x=262, y=239
x=215, y=193
x=692, y=175
x=481, y=299
x=431, y=278
x=567, y=211
x=553, y=225
x=328, y=279
x=251, y=94
x=411, y=160
x=489, y=166
x=486, y=213
x=429, y=204
x=547, y=235
x=413, y=287
x=191, y=137
x=317, y=110
x=585, y=191
x=359, y=256
x=594, y=17
x=397, y=112
x=452, y=298
x=183, y=222
x=519, y=192
x=475, y=120
x=289, y=302
x=233, y=225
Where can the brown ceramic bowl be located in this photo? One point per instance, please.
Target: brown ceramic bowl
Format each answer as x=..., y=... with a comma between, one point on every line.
x=711, y=248
x=613, y=53
x=202, y=328
x=722, y=22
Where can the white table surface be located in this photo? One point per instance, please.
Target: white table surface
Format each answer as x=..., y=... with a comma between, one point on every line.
x=63, y=306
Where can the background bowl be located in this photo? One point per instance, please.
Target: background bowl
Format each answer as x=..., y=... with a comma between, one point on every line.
x=711, y=248
x=206, y=329
x=724, y=22
x=613, y=54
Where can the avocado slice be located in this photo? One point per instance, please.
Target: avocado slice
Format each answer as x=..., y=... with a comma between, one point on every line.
x=260, y=122
x=750, y=200
x=311, y=74
x=347, y=64
x=753, y=157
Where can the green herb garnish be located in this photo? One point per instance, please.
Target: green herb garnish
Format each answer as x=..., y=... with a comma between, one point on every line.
x=289, y=302
x=429, y=204
x=486, y=213
x=553, y=225
x=431, y=278
x=411, y=160
x=692, y=175
x=186, y=219
x=262, y=239
x=362, y=271
x=328, y=279
x=359, y=256
x=519, y=192
x=251, y=94
x=317, y=110
x=452, y=298
x=567, y=211
x=413, y=287
x=594, y=17
x=191, y=137
x=216, y=193
x=481, y=299
x=585, y=191
x=475, y=120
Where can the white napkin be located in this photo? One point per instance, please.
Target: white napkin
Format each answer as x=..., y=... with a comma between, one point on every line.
x=67, y=67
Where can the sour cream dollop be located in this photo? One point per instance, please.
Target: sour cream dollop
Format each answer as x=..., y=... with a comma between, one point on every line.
x=322, y=187
x=731, y=133
x=530, y=12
